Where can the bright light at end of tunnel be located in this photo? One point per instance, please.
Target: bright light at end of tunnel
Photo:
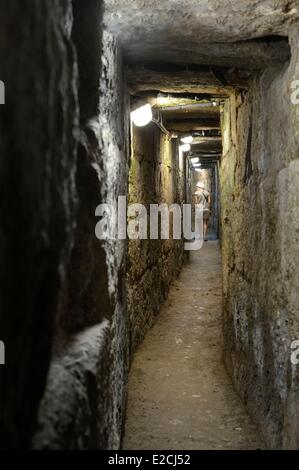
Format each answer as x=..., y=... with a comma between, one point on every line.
x=187, y=140
x=185, y=147
x=195, y=160
x=142, y=116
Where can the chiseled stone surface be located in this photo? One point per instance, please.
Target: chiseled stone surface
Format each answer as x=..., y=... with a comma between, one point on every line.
x=156, y=176
x=83, y=405
x=77, y=393
x=259, y=187
x=209, y=20
x=64, y=133
x=205, y=32
x=38, y=125
x=114, y=125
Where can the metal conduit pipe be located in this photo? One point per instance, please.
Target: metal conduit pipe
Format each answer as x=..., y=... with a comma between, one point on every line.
x=187, y=107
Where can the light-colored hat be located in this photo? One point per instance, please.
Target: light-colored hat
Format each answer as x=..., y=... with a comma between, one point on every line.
x=200, y=185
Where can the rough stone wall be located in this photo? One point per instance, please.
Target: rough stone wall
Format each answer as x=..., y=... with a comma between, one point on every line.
x=259, y=176
x=38, y=125
x=64, y=145
x=115, y=143
x=83, y=404
x=156, y=176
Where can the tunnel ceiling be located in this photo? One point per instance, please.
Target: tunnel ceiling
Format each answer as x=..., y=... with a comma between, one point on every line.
x=203, y=47
x=199, y=117
x=207, y=32
x=184, y=118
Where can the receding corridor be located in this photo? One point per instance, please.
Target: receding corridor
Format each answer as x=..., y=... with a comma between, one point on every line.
x=132, y=132
x=180, y=396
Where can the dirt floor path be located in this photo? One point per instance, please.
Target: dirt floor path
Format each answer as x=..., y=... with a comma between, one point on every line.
x=180, y=396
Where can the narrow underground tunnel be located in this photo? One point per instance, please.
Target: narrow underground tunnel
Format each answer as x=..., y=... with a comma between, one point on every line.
x=122, y=338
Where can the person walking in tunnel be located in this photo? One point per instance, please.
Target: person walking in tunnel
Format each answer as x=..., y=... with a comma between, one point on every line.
x=202, y=196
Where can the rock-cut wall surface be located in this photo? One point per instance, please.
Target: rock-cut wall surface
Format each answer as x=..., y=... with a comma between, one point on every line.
x=83, y=405
x=157, y=176
x=259, y=179
x=39, y=126
x=64, y=146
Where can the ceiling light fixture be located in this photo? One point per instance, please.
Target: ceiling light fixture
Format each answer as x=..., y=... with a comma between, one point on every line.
x=195, y=160
x=185, y=147
x=142, y=116
x=187, y=140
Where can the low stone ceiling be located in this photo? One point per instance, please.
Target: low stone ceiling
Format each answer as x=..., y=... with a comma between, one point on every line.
x=198, y=46
x=189, y=119
x=200, y=80
x=218, y=32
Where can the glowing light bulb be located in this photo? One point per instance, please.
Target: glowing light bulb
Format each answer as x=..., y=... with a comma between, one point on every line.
x=195, y=160
x=185, y=147
x=187, y=140
x=214, y=103
x=142, y=116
